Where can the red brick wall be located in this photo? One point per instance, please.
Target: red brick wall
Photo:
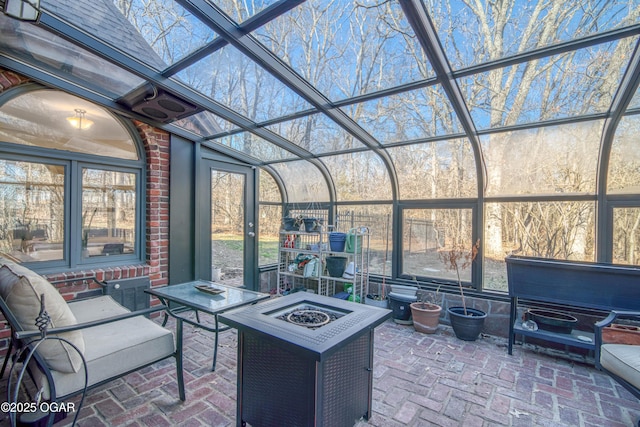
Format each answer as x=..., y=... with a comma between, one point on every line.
x=156, y=265
x=9, y=79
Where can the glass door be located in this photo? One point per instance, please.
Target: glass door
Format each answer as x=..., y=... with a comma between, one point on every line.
x=229, y=214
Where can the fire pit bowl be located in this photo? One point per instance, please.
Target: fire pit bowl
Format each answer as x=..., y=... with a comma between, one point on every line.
x=552, y=321
x=309, y=318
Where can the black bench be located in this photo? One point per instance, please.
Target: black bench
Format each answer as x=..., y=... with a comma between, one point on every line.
x=584, y=285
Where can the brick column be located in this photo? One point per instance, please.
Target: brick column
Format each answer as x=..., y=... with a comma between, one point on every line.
x=156, y=145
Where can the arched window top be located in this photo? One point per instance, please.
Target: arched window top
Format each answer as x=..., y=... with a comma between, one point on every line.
x=55, y=120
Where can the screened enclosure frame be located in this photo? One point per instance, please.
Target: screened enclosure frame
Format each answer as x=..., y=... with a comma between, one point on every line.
x=446, y=76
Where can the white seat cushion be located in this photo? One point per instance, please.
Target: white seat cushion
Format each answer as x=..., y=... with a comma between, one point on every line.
x=113, y=348
x=623, y=360
x=96, y=308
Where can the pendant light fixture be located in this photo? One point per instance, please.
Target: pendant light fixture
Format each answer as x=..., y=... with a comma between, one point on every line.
x=79, y=121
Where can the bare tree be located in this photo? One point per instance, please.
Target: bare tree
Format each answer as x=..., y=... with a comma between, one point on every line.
x=348, y=49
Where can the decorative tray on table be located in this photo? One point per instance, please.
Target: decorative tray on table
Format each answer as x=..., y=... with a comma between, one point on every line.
x=209, y=289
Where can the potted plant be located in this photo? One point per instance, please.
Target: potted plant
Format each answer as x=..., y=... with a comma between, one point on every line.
x=426, y=313
x=291, y=223
x=467, y=322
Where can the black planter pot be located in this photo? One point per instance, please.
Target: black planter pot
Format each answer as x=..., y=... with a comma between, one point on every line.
x=291, y=224
x=466, y=328
x=336, y=265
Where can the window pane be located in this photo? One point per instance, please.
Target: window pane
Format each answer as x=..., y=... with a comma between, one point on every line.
x=427, y=233
x=444, y=169
x=316, y=133
x=269, y=191
x=23, y=40
x=558, y=230
x=548, y=160
x=159, y=32
x=635, y=101
x=407, y=116
x=359, y=176
x=108, y=212
x=241, y=10
x=303, y=182
x=624, y=164
x=270, y=220
x=348, y=48
x=254, y=146
x=379, y=220
x=228, y=203
x=626, y=236
x=538, y=90
x=32, y=203
x=55, y=120
x=233, y=80
x=521, y=25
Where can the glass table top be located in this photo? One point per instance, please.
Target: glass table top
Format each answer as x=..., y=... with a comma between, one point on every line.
x=188, y=295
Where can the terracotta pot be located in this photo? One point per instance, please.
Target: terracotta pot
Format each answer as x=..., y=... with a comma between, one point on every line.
x=426, y=316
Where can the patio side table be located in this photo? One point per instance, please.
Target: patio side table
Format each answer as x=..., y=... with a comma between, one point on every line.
x=203, y=296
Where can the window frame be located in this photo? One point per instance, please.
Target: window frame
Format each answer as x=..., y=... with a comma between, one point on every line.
x=613, y=203
x=77, y=211
x=398, y=256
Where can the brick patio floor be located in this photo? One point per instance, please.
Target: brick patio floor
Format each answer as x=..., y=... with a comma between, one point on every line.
x=420, y=380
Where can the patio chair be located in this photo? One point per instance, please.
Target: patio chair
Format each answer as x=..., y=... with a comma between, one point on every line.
x=620, y=357
x=113, y=340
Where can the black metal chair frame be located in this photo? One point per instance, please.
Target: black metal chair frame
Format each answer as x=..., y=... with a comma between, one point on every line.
x=21, y=338
x=614, y=315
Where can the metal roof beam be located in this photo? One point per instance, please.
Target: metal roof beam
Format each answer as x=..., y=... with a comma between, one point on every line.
x=623, y=97
x=555, y=49
x=426, y=33
x=253, y=23
x=100, y=48
x=248, y=45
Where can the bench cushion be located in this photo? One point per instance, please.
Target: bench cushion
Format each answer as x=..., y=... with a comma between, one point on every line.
x=114, y=348
x=623, y=360
x=21, y=289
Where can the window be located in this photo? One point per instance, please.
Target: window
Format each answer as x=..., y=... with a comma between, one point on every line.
x=547, y=229
x=435, y=170
x=108, y=212
x=624, y=165
x=32, y=202
x=270, y=211
x=55, y=120
x=557, y=160
x=426, y=233
x=62, y=204
x=626, y=235
x=378, y=219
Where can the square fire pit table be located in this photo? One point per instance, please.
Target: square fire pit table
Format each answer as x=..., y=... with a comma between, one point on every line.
x=305, y=360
